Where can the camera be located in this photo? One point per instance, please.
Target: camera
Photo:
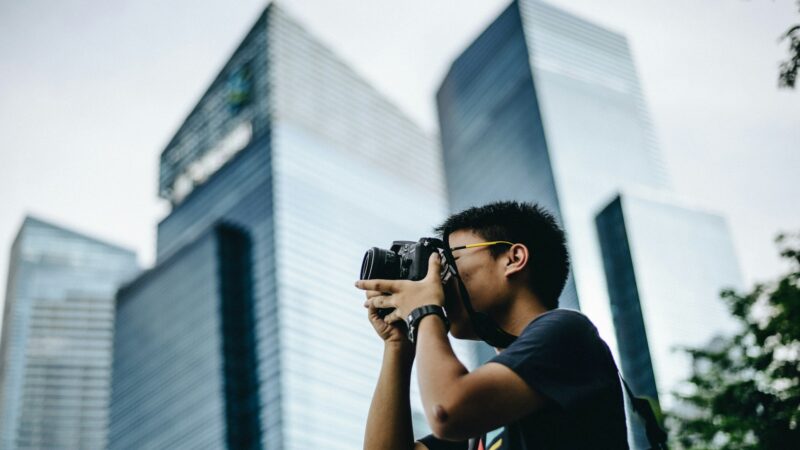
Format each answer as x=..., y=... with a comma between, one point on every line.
x=405, y=260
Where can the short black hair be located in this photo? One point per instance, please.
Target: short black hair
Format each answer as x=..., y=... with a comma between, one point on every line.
x=523, y=223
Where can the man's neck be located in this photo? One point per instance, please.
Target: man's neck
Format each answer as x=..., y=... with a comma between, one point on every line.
x=522, y=311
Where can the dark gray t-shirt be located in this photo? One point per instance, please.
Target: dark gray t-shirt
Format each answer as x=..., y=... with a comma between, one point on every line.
x=561, y=356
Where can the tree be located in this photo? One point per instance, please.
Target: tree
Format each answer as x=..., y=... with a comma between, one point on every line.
x=788, y=68
x=744, y=391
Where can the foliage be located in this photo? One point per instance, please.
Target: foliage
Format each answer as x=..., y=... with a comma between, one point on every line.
x=744, y=391
x=788, y=68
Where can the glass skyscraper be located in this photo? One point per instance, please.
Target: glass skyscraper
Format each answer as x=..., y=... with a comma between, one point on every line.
x=312, y=166
x=55, y=353
x=666, y=265
x=185, y=365
x=546, y=107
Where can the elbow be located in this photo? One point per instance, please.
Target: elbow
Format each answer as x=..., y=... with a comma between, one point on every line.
x=444, y=426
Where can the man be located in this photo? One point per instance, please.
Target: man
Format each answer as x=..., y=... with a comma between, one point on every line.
x=555, y=387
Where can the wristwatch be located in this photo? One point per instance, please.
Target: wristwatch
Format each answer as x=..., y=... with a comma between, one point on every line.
x=416, y=316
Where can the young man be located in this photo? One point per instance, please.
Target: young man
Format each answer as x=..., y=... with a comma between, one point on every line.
x=555, y=387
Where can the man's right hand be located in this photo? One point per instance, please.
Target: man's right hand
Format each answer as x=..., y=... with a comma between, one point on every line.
x=390, y=333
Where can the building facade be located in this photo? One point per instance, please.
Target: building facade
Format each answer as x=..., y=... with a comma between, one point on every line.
x=665, y=265
x=297, y=151
x=546, y=107
x=55, y=353
x=185, y=376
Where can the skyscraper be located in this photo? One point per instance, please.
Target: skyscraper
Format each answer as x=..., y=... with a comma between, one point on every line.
x=55, y=353
x=313, y=166
x=546, y=107
x=185, y=366
x=666, y=265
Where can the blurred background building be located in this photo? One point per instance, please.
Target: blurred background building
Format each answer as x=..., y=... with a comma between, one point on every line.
x=185, y=366
x=298, y=154
x=547, y=107
x=56, y=349
x=665, y=266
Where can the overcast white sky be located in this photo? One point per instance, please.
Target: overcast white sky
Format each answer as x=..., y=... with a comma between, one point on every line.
x=91, y=91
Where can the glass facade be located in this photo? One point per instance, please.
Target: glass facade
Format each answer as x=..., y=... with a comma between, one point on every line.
x=184, y=366
x=666, y=265
x=55, y=353
x=325, y=169
x=546, y=107
x=491, y=128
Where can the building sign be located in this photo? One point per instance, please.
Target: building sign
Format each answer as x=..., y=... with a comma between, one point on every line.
x=202, y=168
x=219, y=126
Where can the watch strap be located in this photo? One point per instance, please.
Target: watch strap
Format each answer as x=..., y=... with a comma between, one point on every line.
x=416, y=316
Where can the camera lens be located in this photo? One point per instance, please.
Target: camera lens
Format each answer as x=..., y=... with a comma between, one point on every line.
x=380, y=264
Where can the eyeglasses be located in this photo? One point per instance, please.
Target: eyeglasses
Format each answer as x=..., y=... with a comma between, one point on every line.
x=481, y=244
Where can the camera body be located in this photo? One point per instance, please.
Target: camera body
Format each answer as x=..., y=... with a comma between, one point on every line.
x=408, y=260
x=405, y=260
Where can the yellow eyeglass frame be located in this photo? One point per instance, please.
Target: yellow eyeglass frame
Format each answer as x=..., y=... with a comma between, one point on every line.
x=480, y=244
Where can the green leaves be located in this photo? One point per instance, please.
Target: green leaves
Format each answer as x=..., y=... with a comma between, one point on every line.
x=788, y=68
x=744, y=391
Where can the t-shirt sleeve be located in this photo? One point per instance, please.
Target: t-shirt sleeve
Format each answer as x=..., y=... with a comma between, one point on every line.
x=561, y=357
x=434, y=443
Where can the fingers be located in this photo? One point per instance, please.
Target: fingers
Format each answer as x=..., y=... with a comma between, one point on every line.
x=392, y=317
x=434, y=266
x=390, y=286
x=380, y=301
x=371, y=294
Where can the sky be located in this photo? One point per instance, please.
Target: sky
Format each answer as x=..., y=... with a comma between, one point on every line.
x=91, y=92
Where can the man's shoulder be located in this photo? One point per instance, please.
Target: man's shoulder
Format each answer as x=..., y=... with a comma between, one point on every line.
x=553, y=338
x=562, y=314
x=564, y=320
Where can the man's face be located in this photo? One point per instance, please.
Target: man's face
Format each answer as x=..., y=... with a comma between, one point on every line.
x=483, y=276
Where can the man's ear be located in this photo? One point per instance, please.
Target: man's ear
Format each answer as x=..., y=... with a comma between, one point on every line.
x=516, y=259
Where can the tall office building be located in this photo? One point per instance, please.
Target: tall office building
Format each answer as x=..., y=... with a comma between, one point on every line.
x=185, y=365
x=312, y=167
x=55, y=353
x=546, y=107
x=666, y=265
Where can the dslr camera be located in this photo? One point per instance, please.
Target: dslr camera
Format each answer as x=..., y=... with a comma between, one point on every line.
x=405, y=260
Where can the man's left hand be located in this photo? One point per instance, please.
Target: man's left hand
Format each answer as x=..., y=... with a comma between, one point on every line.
x=405, y=295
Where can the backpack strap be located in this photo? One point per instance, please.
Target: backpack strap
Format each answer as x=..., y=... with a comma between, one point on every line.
x=655, y=434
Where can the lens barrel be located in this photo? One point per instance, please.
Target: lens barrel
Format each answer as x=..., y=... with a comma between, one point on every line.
x=380, y=264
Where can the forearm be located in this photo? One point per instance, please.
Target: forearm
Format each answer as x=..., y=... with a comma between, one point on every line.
x=438, y=368
x=389, y=420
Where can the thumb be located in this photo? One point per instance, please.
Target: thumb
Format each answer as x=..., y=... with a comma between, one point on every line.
x=434, y=266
